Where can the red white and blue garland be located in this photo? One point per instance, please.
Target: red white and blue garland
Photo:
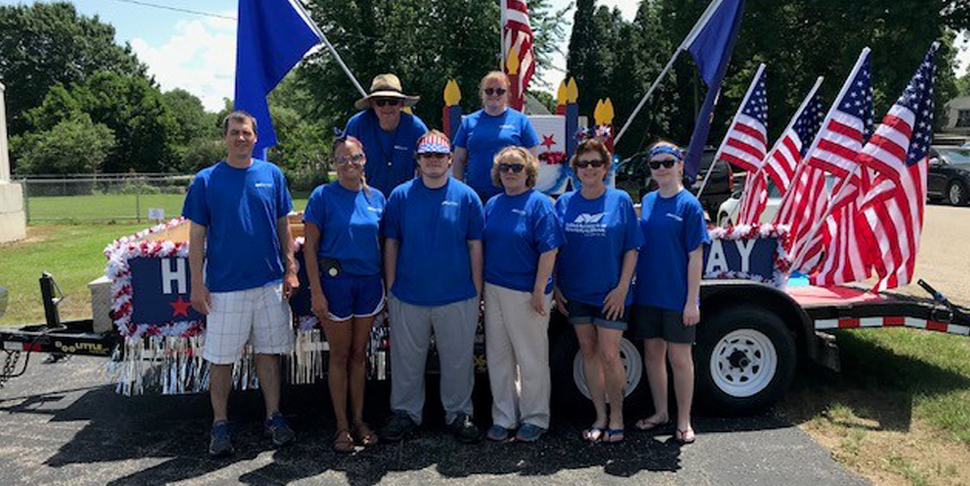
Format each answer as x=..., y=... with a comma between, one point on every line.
x=748, y=232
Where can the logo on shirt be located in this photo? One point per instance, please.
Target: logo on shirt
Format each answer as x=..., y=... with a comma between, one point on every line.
x=519, y=211
x=449, y=203
x=264, y=184
x=506, y=127
x=375, y=210
x=674, y=216
x=588, y=225
x=401, y=147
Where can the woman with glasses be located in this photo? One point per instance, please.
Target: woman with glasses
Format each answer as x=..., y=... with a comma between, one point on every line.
x=388, y=134
x=593, y=275
x=484, y=132
x=343, y=263
x=667, y=306
x=522, y=234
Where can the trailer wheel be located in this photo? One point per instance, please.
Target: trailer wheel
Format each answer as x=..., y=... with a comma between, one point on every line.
x=745, y=360
x=569, y=381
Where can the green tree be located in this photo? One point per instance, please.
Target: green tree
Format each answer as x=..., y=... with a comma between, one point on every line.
x=191, y=120
x=48, y=43
x=131, y=107
x=72, y=146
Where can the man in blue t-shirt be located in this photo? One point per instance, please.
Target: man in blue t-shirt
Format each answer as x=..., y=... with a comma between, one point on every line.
x=239, y=235
x=388, y=134
x=433, y=267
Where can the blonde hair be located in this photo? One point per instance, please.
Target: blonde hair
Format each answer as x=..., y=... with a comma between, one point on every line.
x=593, y=145
x=520, y=154
x=352, y=140
x=494, y=76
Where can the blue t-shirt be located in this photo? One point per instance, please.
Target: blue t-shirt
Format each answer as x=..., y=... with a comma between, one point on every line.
x=390, y=156
x=672, y=228
x=240, y=209
x=517, y=230
x=349, y=224
x=433, y=227
x=483, y=135
x=598, y=233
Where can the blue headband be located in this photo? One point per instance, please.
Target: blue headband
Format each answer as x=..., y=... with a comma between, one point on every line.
x=667, y=149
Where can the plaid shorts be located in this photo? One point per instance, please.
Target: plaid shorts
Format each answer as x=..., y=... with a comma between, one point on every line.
x=259, y=316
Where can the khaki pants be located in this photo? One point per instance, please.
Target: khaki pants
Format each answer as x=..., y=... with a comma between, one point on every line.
x=517, y=349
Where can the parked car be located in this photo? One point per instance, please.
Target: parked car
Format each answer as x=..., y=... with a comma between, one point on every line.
x=727, y=214
x=948, y=177
x=633, y=176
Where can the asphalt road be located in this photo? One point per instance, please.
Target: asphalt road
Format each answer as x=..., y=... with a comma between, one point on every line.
x=62, y=423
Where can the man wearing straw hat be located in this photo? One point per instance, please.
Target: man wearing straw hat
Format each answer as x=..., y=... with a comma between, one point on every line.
x=388, y=134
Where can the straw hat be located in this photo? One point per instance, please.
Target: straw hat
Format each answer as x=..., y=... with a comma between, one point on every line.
x=385, y=86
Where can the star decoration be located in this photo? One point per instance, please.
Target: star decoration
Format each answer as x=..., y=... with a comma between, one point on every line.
x=548, y=141
x=180, y=307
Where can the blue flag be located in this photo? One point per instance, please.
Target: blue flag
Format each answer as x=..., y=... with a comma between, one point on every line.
x=272, y=36
x=711, y=49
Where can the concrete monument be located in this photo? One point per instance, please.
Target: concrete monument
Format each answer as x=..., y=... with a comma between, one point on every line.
x=13, y=223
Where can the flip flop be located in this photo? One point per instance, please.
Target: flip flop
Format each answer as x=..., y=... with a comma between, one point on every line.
x=364, y=435
x=681, y=436
x=343, y=442
x=611, y=436
x=593, y=434
x=646, y=424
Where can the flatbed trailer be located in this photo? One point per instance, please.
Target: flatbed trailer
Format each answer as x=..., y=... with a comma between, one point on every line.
x=752, y=339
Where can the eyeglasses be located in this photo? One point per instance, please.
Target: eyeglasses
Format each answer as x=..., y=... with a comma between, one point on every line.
x=346, y=159
x=667, y=163
x=582, y=164
x=495, y=91
x=515, y=168
x=386, y=101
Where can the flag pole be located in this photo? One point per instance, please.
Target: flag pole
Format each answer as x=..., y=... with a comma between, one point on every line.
x=694, y=31
x=299, y=7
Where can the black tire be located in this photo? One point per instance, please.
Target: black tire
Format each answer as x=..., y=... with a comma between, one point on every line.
x=956, y=193
x=754, y=356
x=567, y=397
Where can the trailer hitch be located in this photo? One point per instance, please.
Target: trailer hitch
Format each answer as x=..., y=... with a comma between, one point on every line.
x=937, y=314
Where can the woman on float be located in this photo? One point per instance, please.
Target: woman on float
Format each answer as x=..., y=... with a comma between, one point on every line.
x=344, y=269
x=593, y=275
x=522, y=236
x=668, y=287
x=484, y=132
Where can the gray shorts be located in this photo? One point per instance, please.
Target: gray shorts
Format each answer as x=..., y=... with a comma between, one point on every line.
x=651, y=322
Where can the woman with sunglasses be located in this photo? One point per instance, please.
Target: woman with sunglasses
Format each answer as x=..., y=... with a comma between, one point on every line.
x=388, y=134
x=593, y=275
x=521, y=238
x=667, y=306
x=484, y=132
x=343, y=263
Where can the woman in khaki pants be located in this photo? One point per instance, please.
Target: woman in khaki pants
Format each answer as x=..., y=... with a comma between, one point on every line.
x=521, y=238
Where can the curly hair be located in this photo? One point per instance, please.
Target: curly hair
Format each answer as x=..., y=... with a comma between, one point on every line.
x=518, y=154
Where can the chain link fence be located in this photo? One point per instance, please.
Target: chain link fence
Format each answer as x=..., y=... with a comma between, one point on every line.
x=128, y=197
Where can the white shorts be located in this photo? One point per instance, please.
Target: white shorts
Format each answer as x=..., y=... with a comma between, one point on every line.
x=259, y=316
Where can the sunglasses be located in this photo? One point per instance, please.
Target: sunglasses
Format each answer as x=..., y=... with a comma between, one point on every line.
x=582, y=164
x=386, y=101
x=433, y=155
x=515, y=168
x=667, y=163
x=347, y=159
x=495, y=91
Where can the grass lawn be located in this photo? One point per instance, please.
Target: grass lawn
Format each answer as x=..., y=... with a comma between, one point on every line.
x=113, y=207
x=899, y=411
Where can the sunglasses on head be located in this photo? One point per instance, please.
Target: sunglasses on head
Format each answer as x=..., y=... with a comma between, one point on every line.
x=495, y=91
x=386, y=101
x=667, y=163
x=582, y=164
x=515, y=168
x=346, y=159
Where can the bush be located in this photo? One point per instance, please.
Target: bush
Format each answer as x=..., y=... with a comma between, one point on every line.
x=305, y=179
x=73, y=146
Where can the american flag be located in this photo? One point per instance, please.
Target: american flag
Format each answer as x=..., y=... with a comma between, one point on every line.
x=779, y=166
x=892, y=211
x=833, y=151
x=517, y=33
x=746, y=141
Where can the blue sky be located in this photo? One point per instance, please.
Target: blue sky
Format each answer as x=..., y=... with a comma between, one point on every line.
x=196, y=52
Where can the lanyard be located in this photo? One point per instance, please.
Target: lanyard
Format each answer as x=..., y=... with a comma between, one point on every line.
x=376, y=128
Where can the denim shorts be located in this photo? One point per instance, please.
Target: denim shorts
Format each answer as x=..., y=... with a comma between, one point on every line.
x=581, y=313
